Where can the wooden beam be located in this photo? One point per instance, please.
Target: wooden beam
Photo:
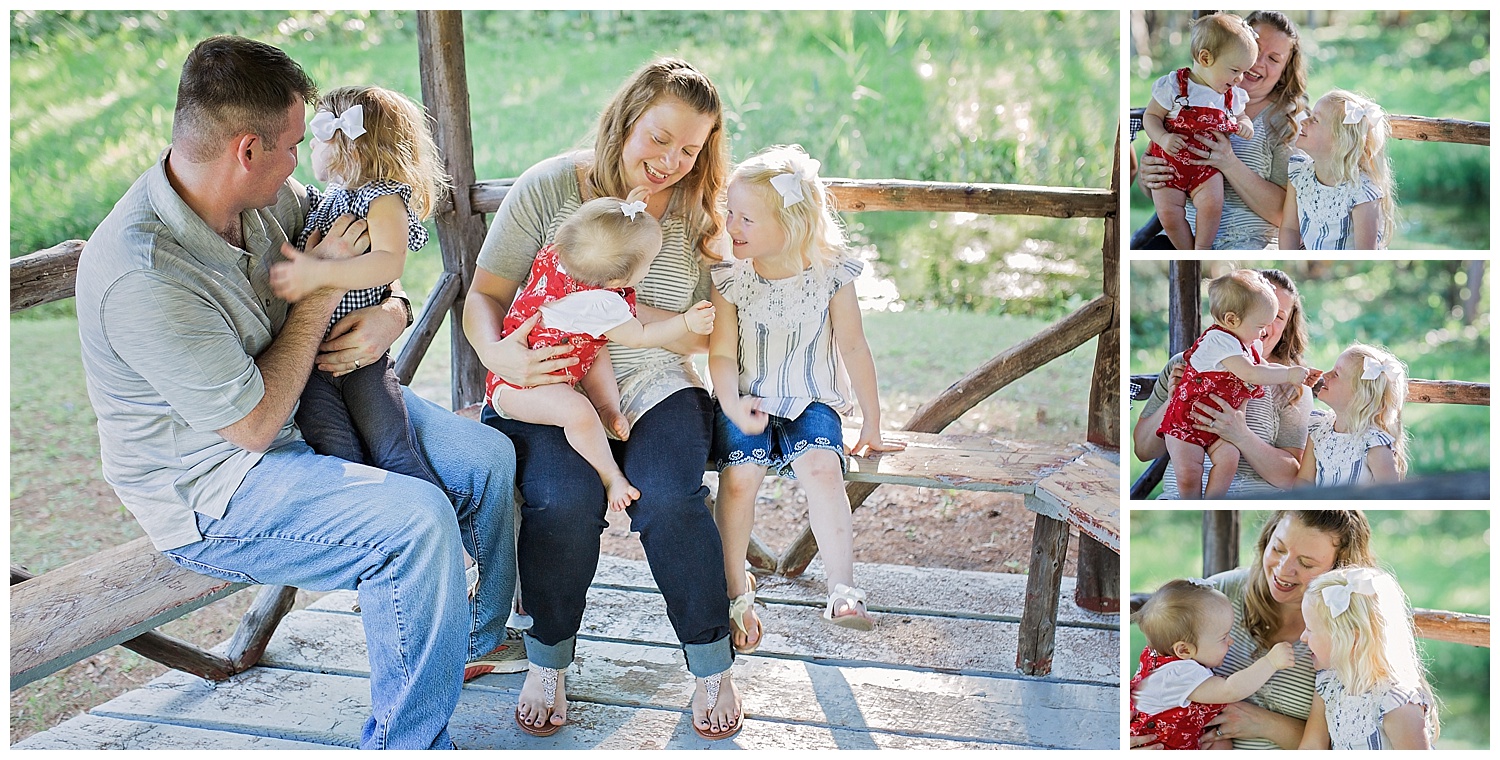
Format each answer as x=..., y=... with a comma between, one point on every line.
x=1184, y=307
x=1104, y=390
x=258, y=624
x=445, y=92
x=1447, y=392
x=1221, y=541
x=1049, y=552
x=448, y=288
x=1440, y=130
x=95, y=603
x=1436, y=625
x=910, y=195
x=759, y=555
x=44, y=276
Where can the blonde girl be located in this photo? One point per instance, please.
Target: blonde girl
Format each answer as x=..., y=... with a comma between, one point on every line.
x=786, y=318
x=1363, y=441
x=1372, y=690
x=373, y=148
x=1343, y=198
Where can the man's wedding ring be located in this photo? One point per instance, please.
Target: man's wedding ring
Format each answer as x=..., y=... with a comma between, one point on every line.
x=356, y=364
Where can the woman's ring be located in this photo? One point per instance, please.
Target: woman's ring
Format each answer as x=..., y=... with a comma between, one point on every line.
x=1219, y=732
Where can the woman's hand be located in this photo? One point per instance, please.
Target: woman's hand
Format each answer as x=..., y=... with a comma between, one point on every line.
x=1211, y=149
x=1243, y=720
x=361, y=337
x=525, y=367
x=1155, y=172
x=1144, y=741
x=1224, y=421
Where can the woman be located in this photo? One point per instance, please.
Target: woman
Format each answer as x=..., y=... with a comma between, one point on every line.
x=1255, y=170
x=1294, y=548
x=663, y=130
x=1270, y=432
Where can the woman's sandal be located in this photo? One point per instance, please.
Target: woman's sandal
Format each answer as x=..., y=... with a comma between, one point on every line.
x=854, y=615
x=738, y=607
x=549, y=693
x=711, y=689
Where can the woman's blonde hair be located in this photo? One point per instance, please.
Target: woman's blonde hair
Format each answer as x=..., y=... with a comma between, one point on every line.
x=659, y=80
x=1350, y=533
x=1372, y=644
x=397, y=145
x=1176, y=613
x=1377, y=402
x=601, y=244
x=1289, y=96
x=812, y=229
x=1360, y=148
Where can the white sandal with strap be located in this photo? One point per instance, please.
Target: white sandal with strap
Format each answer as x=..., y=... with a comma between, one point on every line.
x=738, y=607
x=711, y=694
x=855, y=616
x=549, y=695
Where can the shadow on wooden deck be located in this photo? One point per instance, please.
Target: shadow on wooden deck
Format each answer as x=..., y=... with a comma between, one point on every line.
x=938, y=672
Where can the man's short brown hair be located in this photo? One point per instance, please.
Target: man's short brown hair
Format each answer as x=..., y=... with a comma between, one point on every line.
x=232, y=85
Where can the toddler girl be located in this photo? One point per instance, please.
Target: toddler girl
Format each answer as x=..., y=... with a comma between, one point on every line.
x=1224, y=361
x=1344, y=198
x=787, y=316
x=1371, y=689
x=373, y=148
x=1363, y=440
x=582, y=285
x=1187, y=624
x=1195, y=100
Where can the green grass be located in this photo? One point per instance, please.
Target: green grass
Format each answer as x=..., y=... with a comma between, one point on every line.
x=1441, y=558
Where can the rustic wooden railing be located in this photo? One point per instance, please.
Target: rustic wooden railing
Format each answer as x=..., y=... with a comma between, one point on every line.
x=1437, y=625
x=48, y=276
x=1403, y=127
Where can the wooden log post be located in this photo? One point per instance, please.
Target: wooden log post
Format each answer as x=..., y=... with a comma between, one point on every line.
x=1185, y=309
x=1221, y=541
x=445, y=92
x=259, y=622
x=44, y=276
x=1057, y=339
x=1049, y=552
x=1098, y=583
x=1440, y=130
x=448, y=288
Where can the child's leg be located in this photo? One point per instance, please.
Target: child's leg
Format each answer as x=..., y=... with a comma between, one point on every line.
x=1171, y=210
x=559, y=405
x=604, y=393
x=822, y=476
x=1226, y=459
x=734, y=513
x=1208, y=199
x=1187, y=463
x=373, y=396
x=324, y=420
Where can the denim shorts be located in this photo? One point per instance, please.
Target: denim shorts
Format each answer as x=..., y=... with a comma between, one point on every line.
x=783, y=440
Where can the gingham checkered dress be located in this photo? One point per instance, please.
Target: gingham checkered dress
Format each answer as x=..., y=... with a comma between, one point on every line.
x=338, y=200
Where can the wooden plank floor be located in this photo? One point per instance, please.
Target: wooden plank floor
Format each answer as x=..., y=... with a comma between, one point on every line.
x=938, y=672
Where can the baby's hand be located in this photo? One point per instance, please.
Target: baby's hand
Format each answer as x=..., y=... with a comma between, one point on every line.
x=1172, y=144
x=1246, y=130
x=1297, y=375
x=1282, y=656
x=638, y=194
x=292, y=280
x=700, y=318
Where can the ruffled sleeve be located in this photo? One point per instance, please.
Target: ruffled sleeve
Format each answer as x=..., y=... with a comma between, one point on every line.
x=1368, y=190
x=1164, y=91
x=416, y=234
x=843, y=272
x=725, y=280
x=1238, y=101
x=594, y=312
x=1377, y=437
x=1399, y=696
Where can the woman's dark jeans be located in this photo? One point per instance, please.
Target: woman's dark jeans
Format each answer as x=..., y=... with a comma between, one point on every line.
x=563, y=516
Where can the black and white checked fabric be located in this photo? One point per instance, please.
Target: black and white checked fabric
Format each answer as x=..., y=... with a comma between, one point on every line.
x=338, y=200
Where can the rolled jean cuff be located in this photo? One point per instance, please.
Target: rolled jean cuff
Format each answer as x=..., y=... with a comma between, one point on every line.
x=557, y=656
x=704, y=660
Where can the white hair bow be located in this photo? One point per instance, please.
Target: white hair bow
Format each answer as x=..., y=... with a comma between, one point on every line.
x=1360, y=580
x=790, y=185
x=1375, y=368
x=324, y=123
x=633, y=208
x=1355, y=113
x=1200, y=582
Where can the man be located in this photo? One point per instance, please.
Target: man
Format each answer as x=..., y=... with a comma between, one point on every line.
x=194, y=369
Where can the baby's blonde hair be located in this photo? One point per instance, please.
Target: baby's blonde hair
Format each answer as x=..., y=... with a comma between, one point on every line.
x=1175, y=613
x=397, y=145
x=1237, y=292
x=1377, y=402
x=1372, y=643
x=1360, y=147
x=600, y=243
x=812, y=229
x=1219, y=32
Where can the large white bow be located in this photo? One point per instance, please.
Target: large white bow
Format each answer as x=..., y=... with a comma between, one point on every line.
x=324, y=123
x=631, y=209
x=1375, y=368
x=1360, y=580
x=790, y=185
x=1355, y=113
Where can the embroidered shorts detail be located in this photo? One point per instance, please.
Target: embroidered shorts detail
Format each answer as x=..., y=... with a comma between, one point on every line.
x=783, y=440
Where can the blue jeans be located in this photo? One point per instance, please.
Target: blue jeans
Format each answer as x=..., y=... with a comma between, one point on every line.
x=319, y=523
x=361, y=416
x=562, y=516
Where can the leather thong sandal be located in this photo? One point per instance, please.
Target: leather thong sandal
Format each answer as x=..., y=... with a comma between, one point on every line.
x=855, y=616
x=739, y=607
x=711, y=689
x=549, y=693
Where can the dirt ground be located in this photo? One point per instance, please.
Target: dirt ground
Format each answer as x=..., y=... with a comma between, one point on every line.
x=898, y=525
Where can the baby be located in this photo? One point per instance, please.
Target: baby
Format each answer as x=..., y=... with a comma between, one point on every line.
x=1195, y=100
x=582, y=285
x=1224, y=361
x=1187, y=624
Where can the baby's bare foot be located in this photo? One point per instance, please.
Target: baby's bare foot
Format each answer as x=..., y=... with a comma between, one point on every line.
x=616, y=422
x=620, y=493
